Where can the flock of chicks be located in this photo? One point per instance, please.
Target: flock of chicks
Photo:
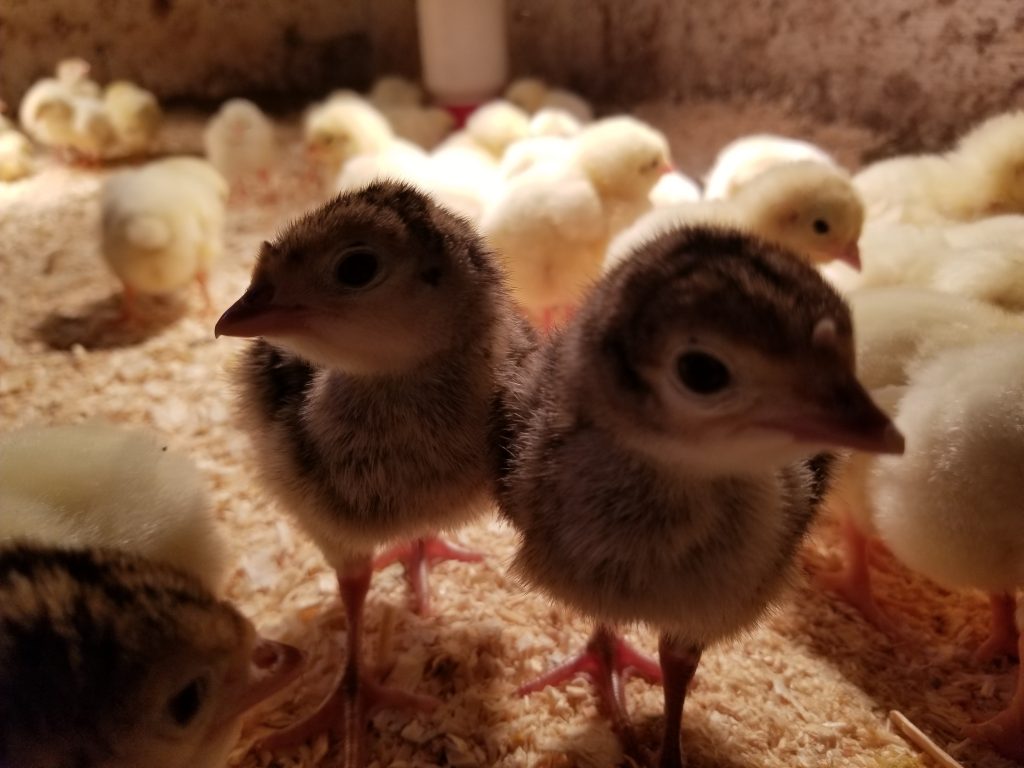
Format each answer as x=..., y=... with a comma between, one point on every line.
x=698, y=388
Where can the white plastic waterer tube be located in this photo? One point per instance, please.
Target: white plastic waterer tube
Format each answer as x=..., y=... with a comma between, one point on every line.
x=463, y=50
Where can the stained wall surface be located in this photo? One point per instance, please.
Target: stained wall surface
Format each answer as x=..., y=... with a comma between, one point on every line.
x=916, y=69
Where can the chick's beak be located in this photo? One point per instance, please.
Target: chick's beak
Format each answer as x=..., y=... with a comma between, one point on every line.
x=846, y=418
x=850, y=254
x=666, y=167
x=272, y=667
x=256, y=314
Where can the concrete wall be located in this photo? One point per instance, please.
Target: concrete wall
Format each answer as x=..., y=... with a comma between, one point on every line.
x=917, y=70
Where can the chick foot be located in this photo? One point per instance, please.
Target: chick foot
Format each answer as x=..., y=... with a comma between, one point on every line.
x=356, y=698
x=678, y=664
x=853, y=582
x=1005, y=731
x=607, y=660
x=417, y=559
x=1002, y=639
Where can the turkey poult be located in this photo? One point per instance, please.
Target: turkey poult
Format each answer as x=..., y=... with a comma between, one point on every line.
x=663, y=474
x=388, y=336
x=111, y=660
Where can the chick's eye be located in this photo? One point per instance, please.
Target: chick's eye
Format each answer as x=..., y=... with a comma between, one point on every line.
x=357, y=268
x=186, y=703
x=820, y=226
x=702, y=373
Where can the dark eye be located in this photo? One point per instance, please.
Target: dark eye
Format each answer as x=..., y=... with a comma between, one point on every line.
x=821, y=226
x=702, y=373
x=186, y=703
x=357, y=268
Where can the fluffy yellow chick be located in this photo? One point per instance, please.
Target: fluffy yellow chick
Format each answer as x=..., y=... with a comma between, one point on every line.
x=93, y=137
x=240, y=143
x=983, y=260
x=15, y=155
x=807, y=206
x=896, y=330
x=674, y=188
x=96, y=485
x=343, y=126
x=395, y=91
x=552, y=121
x=533, y=95
x=425, y=127
x=982, y=176
x=135, y=115
x=163, y=226
x=533, y=150
x=59, y=112
x=743, y=159
x=623, y=158
x=549, y=228
x=74, y=74
x=496, y=125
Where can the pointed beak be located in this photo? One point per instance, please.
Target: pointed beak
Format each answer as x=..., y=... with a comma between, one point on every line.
x=256, y=314
x=272, y=667
x=850, y=254
x=666, y=167
x=846, y=418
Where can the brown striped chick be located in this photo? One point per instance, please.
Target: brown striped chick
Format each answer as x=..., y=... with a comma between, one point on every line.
x=743, y=159
x=662, y=476
x=97, y=485
x=374, y=398
x=135, y=115
x=240, y=143
x=109, y=660
x=162, y=227
x=808, y=207
x=983, y=175
x=898, y=329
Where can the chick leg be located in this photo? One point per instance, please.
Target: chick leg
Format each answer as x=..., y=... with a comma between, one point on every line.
x=606, y=660
x=356, y=698
x=678, y=664
x=128, y=300
x=417, y=558
x=1002, y=639
x=853, y=582
x=203, y=281
x=1005, y=731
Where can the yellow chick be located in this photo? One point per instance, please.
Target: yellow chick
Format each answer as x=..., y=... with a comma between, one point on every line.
x=109, y=660
x=15, y=155
x=533, y=95
x=674, y=188
x=60, y=112
x=623, y=158
x=533, y=150
x=896, y=330
x=464, y=179
x=807, y=206
x=96, y=485
x=135, y=115
x=982, y=176
x=93, y=136
x=163, y=226
x=343, y=126
x=425, y=127
x=395, y=91
x=240, y=143
x=548, y=226
x=496, y=125
x=983, y=260
x=743, y=159
x=552, y=121
x=74, y=74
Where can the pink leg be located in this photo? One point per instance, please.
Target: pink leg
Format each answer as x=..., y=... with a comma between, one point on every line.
x=607, y=660
x=853, y=583
x=356, y=698
x=1002, y=639
x=678, y=664
x=203, y=281
x=1005, y=731
x=417, y=558
x=128, y=312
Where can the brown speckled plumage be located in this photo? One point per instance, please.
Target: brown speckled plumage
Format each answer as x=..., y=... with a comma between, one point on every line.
x=361, y=460
x=627, y=539
x=88, y=638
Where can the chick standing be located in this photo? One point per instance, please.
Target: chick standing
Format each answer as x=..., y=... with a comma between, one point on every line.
x=239, y=142
x=809, y=207
x=162, y=226
x=661, y=474
x=374, y=398
x=111, y=660
x=135, y=115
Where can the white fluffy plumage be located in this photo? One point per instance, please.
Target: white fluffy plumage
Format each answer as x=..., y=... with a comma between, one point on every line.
x=533, y=95
x=239, y=141
x=96, y=485
x=16, y=161
x=743, y=159
x=135, y=115
x=342, y=126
